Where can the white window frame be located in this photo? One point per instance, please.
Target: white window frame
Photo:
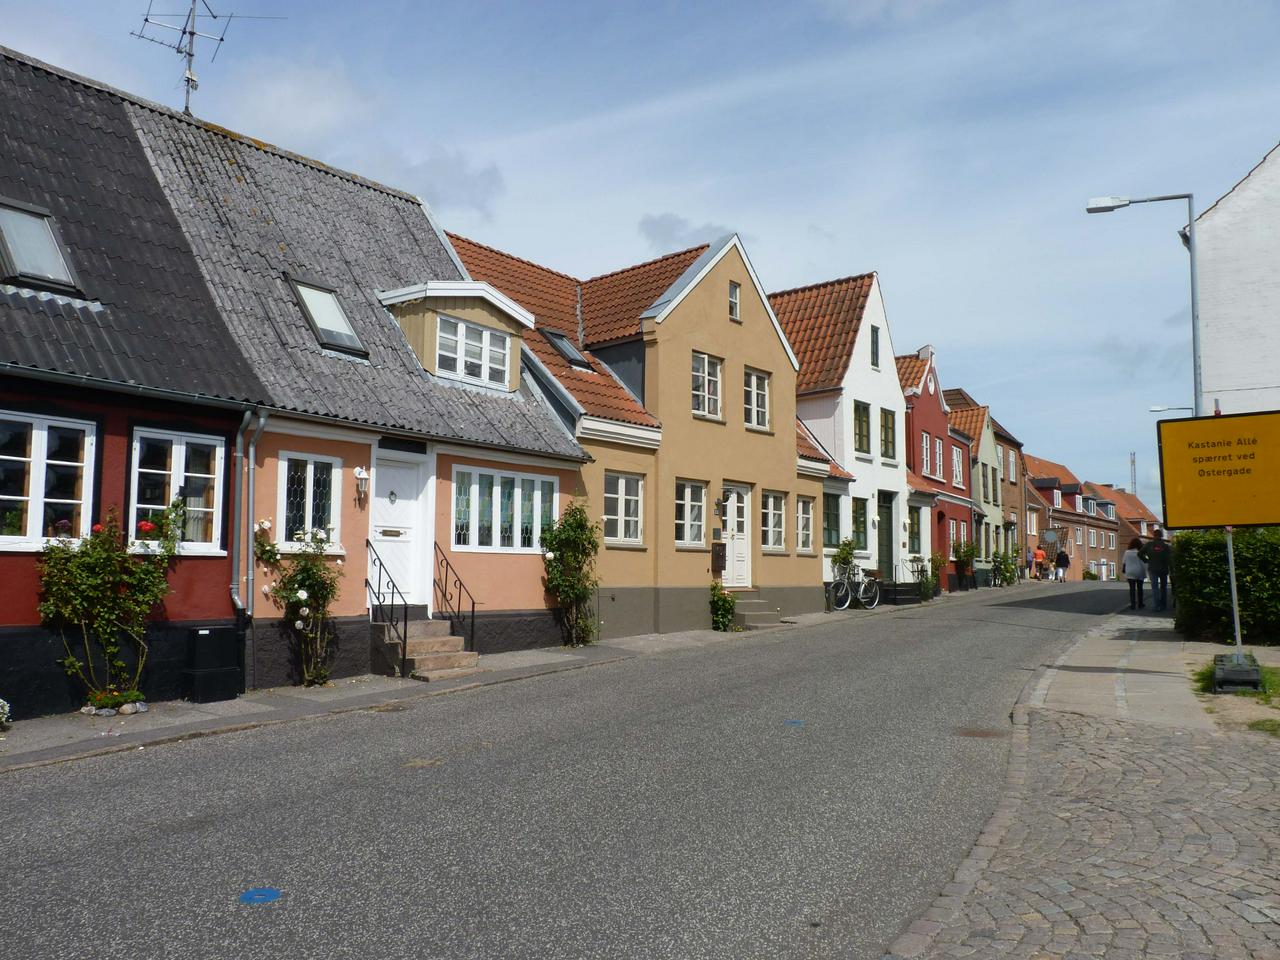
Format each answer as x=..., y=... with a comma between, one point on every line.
x=620, y=498
x=489, y=349
x=1057, y=498
x=957, y=466
x=751, y=394
x=804, y=524
x=709, y=364
x=951, y=530
x=177, y=473
x=1143, y=529
x=964, y=531
x=688, y=502
x=1111, y=540
x=926, y=446
x=1093, y=537
x=1013, y=466
x=473, y=544
x=1080, y=536
x=1032, y=529
x=1079, y=503
x=334, y=529
x=735, y=301
x=937, y=458
x=773, y=521
x=32, y=538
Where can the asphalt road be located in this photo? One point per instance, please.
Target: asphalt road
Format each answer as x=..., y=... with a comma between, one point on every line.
x=802, y=794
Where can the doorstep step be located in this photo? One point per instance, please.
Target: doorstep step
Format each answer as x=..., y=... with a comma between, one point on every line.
x=429, y=628
x=443, y=661
x=426, y=676
x=422, y=646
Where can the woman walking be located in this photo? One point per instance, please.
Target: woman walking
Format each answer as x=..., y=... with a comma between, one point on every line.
x=1061, y=564
x=1135, y=571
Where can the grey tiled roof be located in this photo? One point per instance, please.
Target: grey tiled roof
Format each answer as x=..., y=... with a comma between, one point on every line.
x=144, y=315
x=182, y=233
x=254, y=213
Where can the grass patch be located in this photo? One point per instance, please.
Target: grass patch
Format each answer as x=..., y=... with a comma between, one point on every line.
x=1270, y=726
x=1202, y=680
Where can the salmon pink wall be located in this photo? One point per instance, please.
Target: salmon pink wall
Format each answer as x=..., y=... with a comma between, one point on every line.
x=201, y=585
x=353, y=523
x=498, y=580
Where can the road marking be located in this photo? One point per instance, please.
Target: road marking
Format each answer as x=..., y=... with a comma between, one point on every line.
x=1122, y=688
x=260, y=895
x=794, y=723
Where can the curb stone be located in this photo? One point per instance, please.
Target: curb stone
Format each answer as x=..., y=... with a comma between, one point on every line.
x=921, y=934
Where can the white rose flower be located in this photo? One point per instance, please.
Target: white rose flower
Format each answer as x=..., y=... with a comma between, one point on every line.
x=266, y=524
x=321, y=535
x=304, y=611
x=549, y=555
x=299, y=536
x=302, y=594
x=339, y=561
x=299, y=624
x=266, y=588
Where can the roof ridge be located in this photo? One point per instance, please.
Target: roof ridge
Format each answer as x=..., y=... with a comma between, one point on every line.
x=824, y=283
x=559, y=273
x=208, y=125
x=702, y=247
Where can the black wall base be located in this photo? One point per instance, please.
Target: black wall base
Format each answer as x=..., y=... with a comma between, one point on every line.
x=507, y=630
x=272, y=659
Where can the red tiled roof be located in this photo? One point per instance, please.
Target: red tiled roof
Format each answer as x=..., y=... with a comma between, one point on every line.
x=967, y=420
x=1128, y=506
x=612, y=303
x=917, y=482
x=598, y=390
x=911, y=370
x=822, y=323
x=552, y=297
x=808, y=448
x=1040, y=468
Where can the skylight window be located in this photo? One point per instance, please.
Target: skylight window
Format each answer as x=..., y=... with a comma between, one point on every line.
x=327, y=318
x=30, y=249
x=566, y=348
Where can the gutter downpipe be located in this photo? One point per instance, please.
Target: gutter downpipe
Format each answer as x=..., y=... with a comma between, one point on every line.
x=236, y=600
x=251, y=651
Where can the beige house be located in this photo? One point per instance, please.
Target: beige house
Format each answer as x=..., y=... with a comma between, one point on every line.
x=676, y=378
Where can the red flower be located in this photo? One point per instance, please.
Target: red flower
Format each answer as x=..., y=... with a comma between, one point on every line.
x=146, y=526
x=98, y=528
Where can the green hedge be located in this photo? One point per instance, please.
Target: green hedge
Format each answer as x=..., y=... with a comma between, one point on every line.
x=1204, y=593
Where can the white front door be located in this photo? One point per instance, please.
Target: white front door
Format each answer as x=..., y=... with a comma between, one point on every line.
x=737, y=535
x=396, y=529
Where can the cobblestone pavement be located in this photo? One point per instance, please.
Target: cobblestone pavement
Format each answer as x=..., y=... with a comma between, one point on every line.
x=1119, y=839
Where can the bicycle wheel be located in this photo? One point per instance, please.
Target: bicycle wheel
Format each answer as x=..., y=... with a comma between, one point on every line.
x=869, y=593
x=840, y=594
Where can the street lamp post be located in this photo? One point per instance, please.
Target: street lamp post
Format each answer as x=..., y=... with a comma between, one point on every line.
x=1108, y=204
x=1162, y=409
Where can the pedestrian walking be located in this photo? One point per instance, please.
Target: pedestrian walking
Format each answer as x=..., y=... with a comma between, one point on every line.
x=1135, y=571
x=1031, y=560
x=1060, y=564
x=1042, y=562
x=1157, y=554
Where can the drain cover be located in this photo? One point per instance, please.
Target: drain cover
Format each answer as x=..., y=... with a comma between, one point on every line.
x=980, y=733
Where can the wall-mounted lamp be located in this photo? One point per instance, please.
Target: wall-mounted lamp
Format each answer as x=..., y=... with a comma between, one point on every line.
x=362, y=483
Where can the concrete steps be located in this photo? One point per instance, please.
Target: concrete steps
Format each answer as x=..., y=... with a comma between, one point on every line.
x=752, y=613
x=431, y=651
x=900, y=594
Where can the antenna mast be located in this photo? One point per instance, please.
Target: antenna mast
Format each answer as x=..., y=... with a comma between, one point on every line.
x=185, y=45
x=1133, y=472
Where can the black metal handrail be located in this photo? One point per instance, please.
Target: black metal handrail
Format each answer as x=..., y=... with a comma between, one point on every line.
x=453, y=599
x=387, y=604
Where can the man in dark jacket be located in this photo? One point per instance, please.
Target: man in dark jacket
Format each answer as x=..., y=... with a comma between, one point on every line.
x=1157, y=554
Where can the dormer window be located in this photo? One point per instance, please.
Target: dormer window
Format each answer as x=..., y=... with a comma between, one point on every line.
x=327, y=318
x=31, y=252
x=735, y=290
x=477, y=354
x=566, y=348
x=1057, y=498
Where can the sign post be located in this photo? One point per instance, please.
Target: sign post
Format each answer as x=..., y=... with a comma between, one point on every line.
x=1220, y=471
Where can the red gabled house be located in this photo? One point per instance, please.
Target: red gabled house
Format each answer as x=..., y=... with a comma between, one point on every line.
x=939, y=455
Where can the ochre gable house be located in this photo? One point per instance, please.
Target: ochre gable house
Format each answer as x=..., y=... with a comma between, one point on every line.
x=678, y=381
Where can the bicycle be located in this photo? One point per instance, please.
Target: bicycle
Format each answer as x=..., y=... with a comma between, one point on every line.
x=849, y=583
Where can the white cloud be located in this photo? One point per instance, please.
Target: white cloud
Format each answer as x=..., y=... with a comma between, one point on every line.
x=666, y=232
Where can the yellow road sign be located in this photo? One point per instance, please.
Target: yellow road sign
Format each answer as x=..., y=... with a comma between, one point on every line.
x=1221, y=471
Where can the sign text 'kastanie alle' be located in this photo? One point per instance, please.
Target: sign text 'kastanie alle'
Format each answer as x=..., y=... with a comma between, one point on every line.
x=1220, y=471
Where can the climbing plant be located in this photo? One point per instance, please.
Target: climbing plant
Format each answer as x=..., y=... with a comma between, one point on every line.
x=569, y=555
x=306, y=585
x=98, y=593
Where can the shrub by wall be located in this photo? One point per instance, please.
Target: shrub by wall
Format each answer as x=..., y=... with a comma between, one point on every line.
x=1204, y=592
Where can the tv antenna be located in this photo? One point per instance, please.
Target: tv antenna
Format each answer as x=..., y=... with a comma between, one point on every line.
x=185, y=45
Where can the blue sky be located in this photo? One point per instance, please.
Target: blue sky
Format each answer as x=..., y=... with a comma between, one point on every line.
x=949, y=145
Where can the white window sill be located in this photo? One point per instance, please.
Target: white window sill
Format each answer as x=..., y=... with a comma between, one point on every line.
x=693, y=547
x=292, y=546
x=755, y=429
x=774, y=552
x=707, y=417
x=864, y=458
x=624, y=544
x=886, y=462
x=26, y=545
x=142, y=547
x=514, y=551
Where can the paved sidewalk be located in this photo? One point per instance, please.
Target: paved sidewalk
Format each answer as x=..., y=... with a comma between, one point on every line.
x=1132, y=826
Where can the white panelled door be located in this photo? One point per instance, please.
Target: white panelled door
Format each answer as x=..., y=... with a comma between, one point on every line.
x=396, y=530
x=737, y=535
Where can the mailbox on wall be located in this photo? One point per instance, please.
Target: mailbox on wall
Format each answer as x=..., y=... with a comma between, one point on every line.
x=717, y=558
